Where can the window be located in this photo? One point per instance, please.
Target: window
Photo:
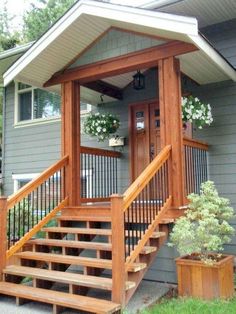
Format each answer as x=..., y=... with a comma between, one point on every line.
x=21, y=179
x=35, y=104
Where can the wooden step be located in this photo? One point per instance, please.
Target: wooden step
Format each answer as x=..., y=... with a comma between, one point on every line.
x=89, y=245
x=167, y=221
x=148, y=250
x=92, y=231
x=99, y=246
x=155, y=234
x=85, y=218
x=74, y=260
x=67, y=300
x=64, y=277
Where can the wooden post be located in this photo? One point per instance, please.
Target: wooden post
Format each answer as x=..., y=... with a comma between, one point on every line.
x=71, y=139
x=171, y=123
x=118, y=249
x=3, y=234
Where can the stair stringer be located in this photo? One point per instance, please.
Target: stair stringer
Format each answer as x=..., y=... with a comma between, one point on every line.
x=148, y=260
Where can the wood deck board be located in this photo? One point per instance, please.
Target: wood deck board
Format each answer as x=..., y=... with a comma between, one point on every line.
x=64, y=277
x=72, y=244
x=65, y=230
x=75, y=260
x=59, y=298
x=97, y=218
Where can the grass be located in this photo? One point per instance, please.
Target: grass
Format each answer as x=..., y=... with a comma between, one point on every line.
x=193, y=306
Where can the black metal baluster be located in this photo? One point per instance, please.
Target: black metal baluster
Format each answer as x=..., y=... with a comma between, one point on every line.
x=9, y=229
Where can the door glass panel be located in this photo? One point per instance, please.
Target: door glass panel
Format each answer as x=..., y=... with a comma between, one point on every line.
x=140, y=125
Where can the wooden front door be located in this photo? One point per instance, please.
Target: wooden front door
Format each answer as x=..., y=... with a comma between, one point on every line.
x=144, y=135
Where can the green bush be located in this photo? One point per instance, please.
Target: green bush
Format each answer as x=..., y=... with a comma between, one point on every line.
x=205, y=227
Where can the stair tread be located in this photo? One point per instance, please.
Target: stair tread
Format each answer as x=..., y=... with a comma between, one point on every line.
x=72, y=244
x=148, y=250
x=155, y=234
x=65, y=277
x=78, y=230
x=85, y=218
x=75, y=260
x=83, y=245
x=78, y=302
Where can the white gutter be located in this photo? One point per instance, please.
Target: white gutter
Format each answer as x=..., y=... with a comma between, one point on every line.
x=15, y=51
x=155, y=4
x=162, y=21
x=212, y=54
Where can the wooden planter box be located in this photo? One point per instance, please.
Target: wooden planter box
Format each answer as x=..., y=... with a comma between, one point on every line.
x=199, y=280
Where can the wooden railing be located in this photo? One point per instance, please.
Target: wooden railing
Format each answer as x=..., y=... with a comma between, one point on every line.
x=136, y=215
x=195, y=161
x=24, y=213
x=99, y=174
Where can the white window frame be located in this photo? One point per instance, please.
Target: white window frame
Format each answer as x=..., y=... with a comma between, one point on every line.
x=30, y=176
x=33, y=120
x=19, y=177
x=36, y=121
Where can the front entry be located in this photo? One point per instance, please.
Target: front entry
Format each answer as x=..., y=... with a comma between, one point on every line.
x=144, y=135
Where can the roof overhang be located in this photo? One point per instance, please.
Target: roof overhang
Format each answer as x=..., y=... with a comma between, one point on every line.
x=88, y=19
x=7, y=58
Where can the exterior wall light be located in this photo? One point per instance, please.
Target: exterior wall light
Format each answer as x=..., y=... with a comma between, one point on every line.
x=139, y=81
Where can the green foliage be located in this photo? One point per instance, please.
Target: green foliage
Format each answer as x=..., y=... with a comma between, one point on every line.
x=42, y=16
x=101, y=125
x=204, y=228
x=193, y=306
x=8, y=39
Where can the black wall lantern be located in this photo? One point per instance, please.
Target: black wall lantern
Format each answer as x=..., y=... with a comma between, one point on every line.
x=139, y=81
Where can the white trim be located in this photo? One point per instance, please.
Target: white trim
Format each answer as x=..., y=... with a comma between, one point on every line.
x=33, y=120
x=39, y=121
x=136, y=16
x=25, y=176
x=213, y=55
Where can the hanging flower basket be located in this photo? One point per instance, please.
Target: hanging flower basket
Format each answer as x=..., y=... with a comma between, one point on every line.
x=101, y=125
x=194, y=111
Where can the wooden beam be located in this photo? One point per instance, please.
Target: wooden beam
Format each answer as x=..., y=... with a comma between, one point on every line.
x=105, y=88
x=70, y=117
x=118, y=250
x=3, y=234
x=129, y=62
x=171, y=123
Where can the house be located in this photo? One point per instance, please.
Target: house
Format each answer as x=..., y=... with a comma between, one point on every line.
x=95, y=49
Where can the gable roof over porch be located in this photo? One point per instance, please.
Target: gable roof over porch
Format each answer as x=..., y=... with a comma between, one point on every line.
x=87, y=20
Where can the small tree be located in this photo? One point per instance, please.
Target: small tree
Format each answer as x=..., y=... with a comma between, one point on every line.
x=205, y=228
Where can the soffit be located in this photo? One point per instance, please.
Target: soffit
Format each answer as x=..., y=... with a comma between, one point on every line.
x=207, y=12
x=88, y=20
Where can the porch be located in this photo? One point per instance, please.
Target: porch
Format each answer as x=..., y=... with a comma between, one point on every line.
x=109, y=225
x=83, y=187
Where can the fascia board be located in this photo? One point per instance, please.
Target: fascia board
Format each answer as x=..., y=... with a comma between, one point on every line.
x=213, y=55
x=164, y=21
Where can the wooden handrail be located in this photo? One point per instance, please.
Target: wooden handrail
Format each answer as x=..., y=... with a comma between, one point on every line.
x=32, y=185
x=99, y=152
x=18, y=245
x=195, y=143
x=138, y=185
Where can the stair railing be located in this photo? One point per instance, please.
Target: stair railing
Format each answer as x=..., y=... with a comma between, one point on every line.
x=25, y=212
x=135, y=216
x=99, y=174
x=196, y=164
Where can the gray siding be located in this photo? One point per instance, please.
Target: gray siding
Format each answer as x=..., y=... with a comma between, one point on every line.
x=116, y=43
x=223, y=38
x=28, y=149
